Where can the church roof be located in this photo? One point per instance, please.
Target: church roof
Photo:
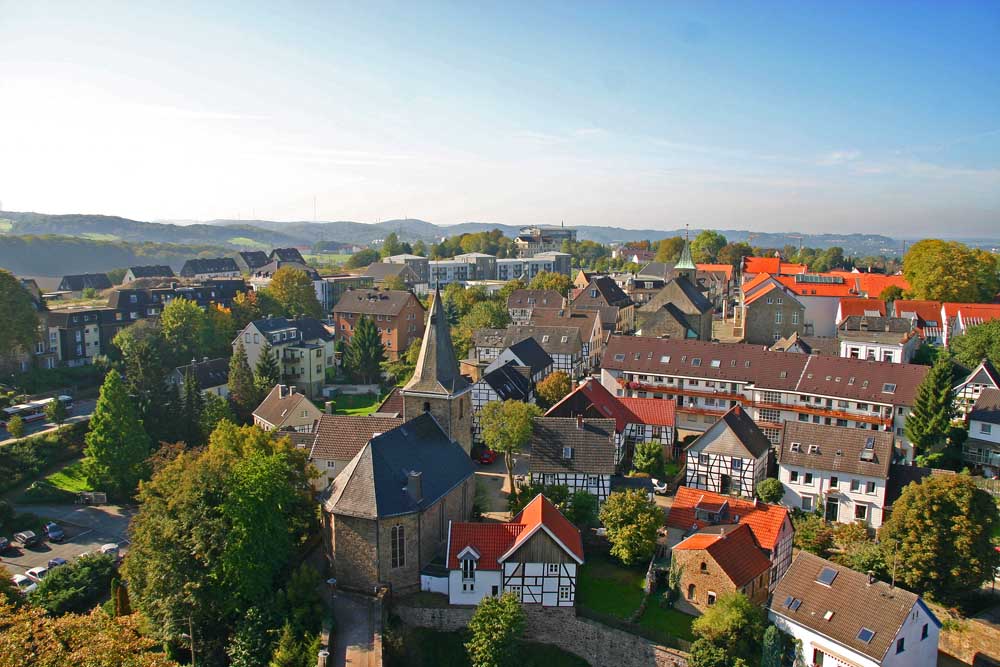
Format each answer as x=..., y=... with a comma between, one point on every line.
x=437, y=366
x=685, y=261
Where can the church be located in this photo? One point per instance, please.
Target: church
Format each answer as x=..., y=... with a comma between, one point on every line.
x=386, y=515
x=680, y=309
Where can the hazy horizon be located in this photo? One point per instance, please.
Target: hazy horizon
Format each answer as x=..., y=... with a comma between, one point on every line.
x=853, y=118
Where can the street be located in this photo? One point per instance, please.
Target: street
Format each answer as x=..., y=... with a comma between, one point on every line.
x=87, y=528
x=81, y=411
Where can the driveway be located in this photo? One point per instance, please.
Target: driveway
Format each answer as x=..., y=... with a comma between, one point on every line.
x=354, y=637
x=493, y=478
x=82, y=410
x=87, y=528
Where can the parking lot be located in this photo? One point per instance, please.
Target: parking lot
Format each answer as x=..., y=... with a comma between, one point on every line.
x=87, y=528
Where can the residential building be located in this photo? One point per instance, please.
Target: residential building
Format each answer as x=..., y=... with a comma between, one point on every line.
x=707, y=379
x=797, y=344
x=333, y=288
x=716, y=561
x=982, y=447
x=204, y=269
x=730, y=457
x=446, y=271
x=655, y=270
x=261, y=277
x=860, y=307
x=302, y=347
x=72, y=336
x=821, y=293
x=592, y=331
x=679, y=310
x=562, y=344
x=526, y=353
x=419, y=265
x=136, y=272
x=694, y=510
x=481, y=265
x=841, y=472
x=561, y=262
x=379, y=272
x=286, y=255
x=956, y=318
x=249, y=261
x=582, y=278
x=285, y=409
x=397, y=315
x=603, y=291
x=522, y=302
x=386, y=515
x=575, y=452
x=775, y=266
x=843, y=617
x=76, y=284
x=508, y=382
x=642, y=289
x=212, y=375
x=768, y=312
x=716, y=281
x=925, y=316
x=542, y=238
x=535, y=557
x=967, y=391
x=339, y=438
x=437, y=387
x=526, y=268
x=891, y=339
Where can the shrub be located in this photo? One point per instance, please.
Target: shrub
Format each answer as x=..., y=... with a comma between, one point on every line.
x=770, y=490
x=44, y=491
x=26, y=459
x=75, y=587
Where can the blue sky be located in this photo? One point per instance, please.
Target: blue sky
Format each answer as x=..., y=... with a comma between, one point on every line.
x=774, y=116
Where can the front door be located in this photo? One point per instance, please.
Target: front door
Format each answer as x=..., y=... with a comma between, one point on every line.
x=832, y=508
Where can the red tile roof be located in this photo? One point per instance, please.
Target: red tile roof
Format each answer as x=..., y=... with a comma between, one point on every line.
x=734, y=549
x=542, y=513
x=773, y=265
x=764, y=520
x=861, y=307
x=651, y=411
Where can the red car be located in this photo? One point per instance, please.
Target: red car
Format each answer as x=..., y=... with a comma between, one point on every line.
x=487, y=457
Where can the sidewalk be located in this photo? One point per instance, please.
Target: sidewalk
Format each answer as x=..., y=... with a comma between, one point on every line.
x=354, y=636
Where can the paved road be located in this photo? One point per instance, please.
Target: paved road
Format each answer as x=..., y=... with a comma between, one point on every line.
x=81, y=411
x=354, y=635
x=87, y=528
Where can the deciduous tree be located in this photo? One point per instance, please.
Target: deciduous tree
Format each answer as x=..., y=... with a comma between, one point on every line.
x=362, y=258
x=950, y=271
x=294, y=292
x=15, y=426
x=245, y=309
x=495, y=627
x=977, y=343
x=214, y=410
x=735, y=624
x=631, y=521
x=771, y=490
x=668, y=250
x=506, y=429
x=76, y=586
x=56, y=411
x=18, y=319
x=143, y=351
x=366, y=352
x=648, y=458
x=182, y=323
x=553, y=389
x=706, y=246
x=554, y=281
x=117, y=446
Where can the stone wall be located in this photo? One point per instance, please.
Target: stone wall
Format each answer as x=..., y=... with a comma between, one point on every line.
x=598, y=644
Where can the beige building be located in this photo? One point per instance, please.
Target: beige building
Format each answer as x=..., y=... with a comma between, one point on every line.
x=285, y=409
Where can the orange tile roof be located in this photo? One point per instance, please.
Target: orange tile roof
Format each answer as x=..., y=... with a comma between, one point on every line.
x=734, y=549
x=860, y=306
x=651, y=411
x=772, y=265
x=761, y=292
x=928, y=311
x=540, y=512
x=871, y=284
x=764, y=520
x=754, y=282
x=719, y=268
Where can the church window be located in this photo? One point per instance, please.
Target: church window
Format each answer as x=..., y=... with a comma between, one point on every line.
x=398, y=543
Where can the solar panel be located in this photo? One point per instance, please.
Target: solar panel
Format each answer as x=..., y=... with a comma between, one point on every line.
x=826, y=576
x=818, y=280
x=866, y=635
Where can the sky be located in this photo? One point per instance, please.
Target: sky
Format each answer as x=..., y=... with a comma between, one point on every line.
x=774, y=116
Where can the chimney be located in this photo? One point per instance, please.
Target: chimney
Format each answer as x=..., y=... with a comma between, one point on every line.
x=204, y=360
x=282, y=391
x=579, y=422
x=413, y=485
x=722, y=532
x=328, y=407
x=871, y=577
x=291, y=390
x=736, y=409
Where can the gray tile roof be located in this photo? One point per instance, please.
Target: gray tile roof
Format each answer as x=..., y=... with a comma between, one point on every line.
x=592, y=441
x=80, y=282
x=208, y=373
x=194, y=267
x=987, y=407
x=152, y=271
x=531, y=354
x=437, y=366
x=840, y=449
x=373, y=302
x=549, y=339
x=373, y=484
x=735, y=434
x=508, y=383
x=341, y=437
x=693, y=301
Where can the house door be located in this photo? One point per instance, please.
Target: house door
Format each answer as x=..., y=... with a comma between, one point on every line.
x=725, y=484
x=832, y=508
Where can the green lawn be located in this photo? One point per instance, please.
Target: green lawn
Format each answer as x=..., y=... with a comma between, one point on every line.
x=671, y=468
x=97, y=236
x=667, y=620
x=70, y=478
x=331, y=258
x=355, y=404
x=249, y=243
x=426, y=648
x=606, y=586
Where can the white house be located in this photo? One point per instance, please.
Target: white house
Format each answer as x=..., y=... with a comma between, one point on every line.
x=730, y=457
x=535, y=556
x=840, y=471
x=983, y=377
x=845, y=618
x=575, y=452
x=509, y=382
x=526, y=353
x=982, y=448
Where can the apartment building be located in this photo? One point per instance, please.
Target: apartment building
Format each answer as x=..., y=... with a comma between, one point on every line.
x=398, y=316
x=542, y=238
x=302, y=347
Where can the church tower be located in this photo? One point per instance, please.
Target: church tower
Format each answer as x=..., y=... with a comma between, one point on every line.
x=437, y=386
x=685, y=266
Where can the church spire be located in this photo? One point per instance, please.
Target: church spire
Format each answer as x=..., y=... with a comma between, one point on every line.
x=437, y=368
x=685, y=265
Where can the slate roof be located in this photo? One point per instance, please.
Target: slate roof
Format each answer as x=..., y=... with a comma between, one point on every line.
x=208, y=374
x=550, y=339
x=508, y=383
x=269, y=269
x=80, y=282
x=437, y=366
x=765, y=520
x=733, y=548
x=987, y=407
x=531, y=355
x=341, y=437
x=309, y=329
x=901, y=476
x=840, y=449
x=661, y=270
x=592, y=441
x=534, y=298
x=373, y=484
x=374, y=302
x=608, y=292
x=383, y=270
x=152, y=271
x=253, y=258
x=735, y=434
x=693, y=299
x=855, y=604
x=193, y=267
x=287, y=255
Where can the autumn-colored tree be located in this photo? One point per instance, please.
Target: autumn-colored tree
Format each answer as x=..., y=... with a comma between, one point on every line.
x=294, y=292
x=245, y=309
x=394, y=283
x=218, y=331
x=891, y=293
x=18, y=320
x=812, y=533
x=950, y=271
x=554, y=281
x=506, y=429
x=509, y=287
x=631, y=520
x=495, y=627
x=553, y=389
x=182, y=323
x=668, y=250
x=706, y=246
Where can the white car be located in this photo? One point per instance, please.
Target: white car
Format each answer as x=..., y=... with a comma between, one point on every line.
x=659, y=487
x=36, y=574
x=24, y=584
x=110, y=549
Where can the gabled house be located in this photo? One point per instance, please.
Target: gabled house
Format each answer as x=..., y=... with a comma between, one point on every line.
x=839, y=471
x=249, y=261
x=982, y=447
x=679, y=309
x=398, y=317
x=76, y=284
x=339, y=438
x=730, y=457
x=212, y=375
x=956, y=318
x=984, y=376
x=860, y=307
x=843, y=617
x=891, y=339
x=535, y=556
x=522, y=302
x=136, y=272
x=574, y=452
x=768, y=312
x=217, y=267
x=303, y=349
x=925, y=316
x=593, y=333
x=603, y=291
x=379, y=272
x=285, y=409
x=286, y=255
x=508, y=382
x=716, y=561
x=526, y=353
x=694, y=510
x=562, y=344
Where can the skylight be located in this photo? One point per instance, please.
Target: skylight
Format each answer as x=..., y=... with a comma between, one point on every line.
x=696, y=361
x=827, y=616
x=665, y=359
x=826, y=576
x=716, y=363
x=619, y=357
x=888, y=388
x=866, y=635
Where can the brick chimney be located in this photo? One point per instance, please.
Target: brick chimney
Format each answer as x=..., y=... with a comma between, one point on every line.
x=414, y=485
x=579, y=422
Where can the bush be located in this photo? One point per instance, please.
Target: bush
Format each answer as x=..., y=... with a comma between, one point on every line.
x=39, y=380
x=26, y=459
x=75, y=587
x=44, y=491
x=771, y=490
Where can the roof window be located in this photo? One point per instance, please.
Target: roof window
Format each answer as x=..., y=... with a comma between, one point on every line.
x=828, y=615
x=665, y=359
x=567, y=452
x=716, y=363
x=696, y=362
x=796, y=447
x=814, y=449
x=888, y=388
x=866, y=635
x=826, y=576
x=619, y=357
x=783, y=374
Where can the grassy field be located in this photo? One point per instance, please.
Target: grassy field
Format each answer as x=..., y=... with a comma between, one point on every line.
x=95, y=236
x=355, y=404
x=249, y=243
x=606, y=586
x=70, y=478
x=670, y=621
x=426, y=648
x=332, y=258
x=6, y=225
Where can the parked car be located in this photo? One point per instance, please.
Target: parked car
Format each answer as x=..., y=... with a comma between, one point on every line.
x=110, y=549
x=55, y=532
x=56, y=562
x=4, y=544
x=23, y=584
x=659, y=487
x=27, y=538
x=36, y=574
x=487, y=457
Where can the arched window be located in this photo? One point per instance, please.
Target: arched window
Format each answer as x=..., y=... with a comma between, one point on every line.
x=397, y=540
x=690, y=591
x=704, y=566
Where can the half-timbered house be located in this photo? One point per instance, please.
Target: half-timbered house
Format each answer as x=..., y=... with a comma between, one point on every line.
x=575, y=452
x=730, y=457
x=509, y=382
x=984, y=376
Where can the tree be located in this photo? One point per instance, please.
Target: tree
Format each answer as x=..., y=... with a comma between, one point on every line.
x=294, y=291
x=735, y=624
x=362, y=258
x=218, y=331
x=734, y=253
x=15, y=426
x=251, y=644
x=365, y=353
x=394, y=283
x=582, y=509
x=706, y=246
x=668, y=250
x=245, y=309
x=506, y=429
x=76, y=586
x=891, y=293
x=242, y=390
x=182, y=323
x=553, y=389
x=420, y=248
x=554, y=281
x=648, y=458
x=831, y=258
x=401, y=370
x=191, y=403
x=771, y=490
x=495, y=627
x=117, y=445
x=929, y=420
x=18, y=319
x=950, y=271
x=143, y=349
x=812, y=533
x=932, y=522
x=631, y=521
x=391, y=246
x=9, y=593
x=266, y=373
x=977, y=343
x=706, y=654
x=773, y=647
x=509, y=288
x=214, y=410
x=56, y=412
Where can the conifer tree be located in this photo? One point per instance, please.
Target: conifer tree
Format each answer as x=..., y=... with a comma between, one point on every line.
x=365, y=353
x=266, y=373
x=117, y=445
x=929, y=420
x=192, y=404
x=242, y=390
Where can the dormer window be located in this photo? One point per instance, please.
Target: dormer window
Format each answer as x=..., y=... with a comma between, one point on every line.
x=468, y=569
x=567, y=452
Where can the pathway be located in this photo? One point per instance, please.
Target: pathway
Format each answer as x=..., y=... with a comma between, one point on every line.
x=82, y=410
x=355, y=631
